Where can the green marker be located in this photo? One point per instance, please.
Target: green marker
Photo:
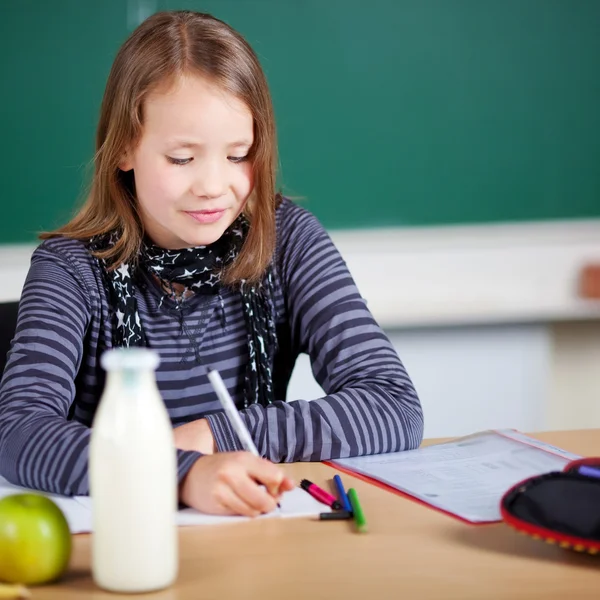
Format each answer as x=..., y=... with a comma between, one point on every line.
x=359, y=517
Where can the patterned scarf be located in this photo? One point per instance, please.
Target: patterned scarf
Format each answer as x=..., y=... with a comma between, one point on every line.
x=198, y=269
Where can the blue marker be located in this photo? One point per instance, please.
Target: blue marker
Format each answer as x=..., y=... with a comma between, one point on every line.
x=342, y=493
x=589, y=471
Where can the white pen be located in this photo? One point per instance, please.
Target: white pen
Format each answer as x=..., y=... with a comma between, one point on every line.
x=231, y=411
x=232, y=414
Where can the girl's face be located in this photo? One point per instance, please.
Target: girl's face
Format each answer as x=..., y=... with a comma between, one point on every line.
x=192, y=174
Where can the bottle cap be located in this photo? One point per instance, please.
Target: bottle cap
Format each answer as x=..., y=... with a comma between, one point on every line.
x=129, y=359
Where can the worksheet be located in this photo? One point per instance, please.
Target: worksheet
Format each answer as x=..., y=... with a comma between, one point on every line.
x=466, y=477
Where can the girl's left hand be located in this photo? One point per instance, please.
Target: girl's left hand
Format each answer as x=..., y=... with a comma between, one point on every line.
x=195, y=435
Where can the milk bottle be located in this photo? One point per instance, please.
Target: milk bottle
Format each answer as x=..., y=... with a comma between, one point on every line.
x=133, y=478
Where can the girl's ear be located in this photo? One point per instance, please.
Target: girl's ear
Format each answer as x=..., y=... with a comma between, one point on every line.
x=125, y=164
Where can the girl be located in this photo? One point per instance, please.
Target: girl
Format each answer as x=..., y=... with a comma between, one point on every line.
x=184, y=246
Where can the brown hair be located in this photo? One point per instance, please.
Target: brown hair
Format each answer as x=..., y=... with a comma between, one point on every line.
x=163, y=47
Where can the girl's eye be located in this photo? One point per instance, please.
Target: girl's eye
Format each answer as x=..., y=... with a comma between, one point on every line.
x=179, y=161
x=237, y=159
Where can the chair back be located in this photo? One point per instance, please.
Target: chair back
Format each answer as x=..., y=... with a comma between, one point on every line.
x=8, y=325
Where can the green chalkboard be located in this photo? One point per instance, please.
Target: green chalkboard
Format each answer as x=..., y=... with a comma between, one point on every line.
x=390, y=112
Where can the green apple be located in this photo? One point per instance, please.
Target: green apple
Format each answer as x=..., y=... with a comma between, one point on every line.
x=35, y=541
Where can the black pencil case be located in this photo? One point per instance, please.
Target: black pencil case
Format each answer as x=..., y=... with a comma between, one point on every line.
x=560, y=507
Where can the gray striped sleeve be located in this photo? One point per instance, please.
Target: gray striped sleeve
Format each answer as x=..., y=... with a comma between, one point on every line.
x=371, y=404
x=40, y=447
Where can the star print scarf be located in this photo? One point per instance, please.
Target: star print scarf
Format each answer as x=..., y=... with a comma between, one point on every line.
x=199, y=270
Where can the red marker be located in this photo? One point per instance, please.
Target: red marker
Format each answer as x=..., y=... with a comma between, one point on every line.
x=321, y=495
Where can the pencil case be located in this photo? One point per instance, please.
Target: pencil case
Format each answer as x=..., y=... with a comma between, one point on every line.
x=560, y=507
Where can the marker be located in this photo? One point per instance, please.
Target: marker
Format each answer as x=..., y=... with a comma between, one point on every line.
x=342, y=493
x=321, y=495
x=589, y=471
x=232, y=413
x=337, y=515
x=359, y=517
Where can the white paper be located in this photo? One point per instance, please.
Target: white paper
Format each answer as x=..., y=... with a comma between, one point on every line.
x=296, y=503
x=466, y=477
x=78, y=509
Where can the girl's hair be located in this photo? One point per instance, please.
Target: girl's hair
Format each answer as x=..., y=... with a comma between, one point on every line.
x=164, y=47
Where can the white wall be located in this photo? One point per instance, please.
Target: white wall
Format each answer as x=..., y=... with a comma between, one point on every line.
x=574, y=396
x=476, y=378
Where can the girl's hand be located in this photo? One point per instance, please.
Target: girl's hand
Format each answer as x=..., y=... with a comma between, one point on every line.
x=231, y=483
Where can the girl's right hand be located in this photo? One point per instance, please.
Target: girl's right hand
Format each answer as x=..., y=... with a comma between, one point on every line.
x=234, y=483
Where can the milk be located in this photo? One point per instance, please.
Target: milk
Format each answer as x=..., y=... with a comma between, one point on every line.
x=133, y=478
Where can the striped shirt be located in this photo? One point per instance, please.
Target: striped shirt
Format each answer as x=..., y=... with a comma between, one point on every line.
x=53, y=379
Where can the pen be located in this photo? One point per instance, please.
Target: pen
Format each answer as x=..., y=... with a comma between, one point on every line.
x=342, y=493
x=359, y=517
x=321, y=495
x=232, y=413
x=589, y=471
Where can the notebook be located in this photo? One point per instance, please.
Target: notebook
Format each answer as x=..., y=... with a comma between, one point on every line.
x=465, y=477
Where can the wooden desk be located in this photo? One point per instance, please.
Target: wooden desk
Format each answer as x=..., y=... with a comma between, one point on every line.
x=410, y=552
